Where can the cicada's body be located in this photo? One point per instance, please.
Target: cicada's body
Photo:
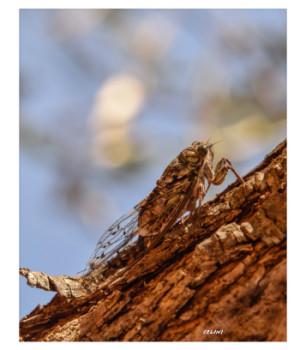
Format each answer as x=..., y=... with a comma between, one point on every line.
x=179, y=190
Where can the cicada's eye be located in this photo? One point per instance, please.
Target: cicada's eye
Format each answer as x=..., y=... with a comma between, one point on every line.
x=202, y=151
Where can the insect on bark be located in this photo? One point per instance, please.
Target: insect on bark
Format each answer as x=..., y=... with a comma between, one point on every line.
x=179, y=190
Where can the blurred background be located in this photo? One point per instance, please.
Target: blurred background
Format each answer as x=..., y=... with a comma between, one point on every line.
x=109, y=97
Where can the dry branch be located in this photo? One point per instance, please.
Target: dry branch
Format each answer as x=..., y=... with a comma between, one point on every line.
x=221, y=275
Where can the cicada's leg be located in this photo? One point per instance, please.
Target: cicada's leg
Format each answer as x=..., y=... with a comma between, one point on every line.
x=221, y=171
x=209, y=175
x=201, y=191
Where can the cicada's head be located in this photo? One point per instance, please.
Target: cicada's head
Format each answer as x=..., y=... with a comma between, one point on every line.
x=195, y=154
x=203, y=148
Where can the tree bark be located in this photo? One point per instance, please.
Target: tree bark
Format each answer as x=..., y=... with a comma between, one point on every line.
x=218, y=276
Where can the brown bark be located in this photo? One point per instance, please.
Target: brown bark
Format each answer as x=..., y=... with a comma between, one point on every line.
x=221, y=275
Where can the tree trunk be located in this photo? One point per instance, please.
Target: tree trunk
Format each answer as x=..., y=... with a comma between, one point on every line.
x=218, y=276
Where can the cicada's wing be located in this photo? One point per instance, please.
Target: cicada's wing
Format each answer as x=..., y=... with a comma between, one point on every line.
x=119, y=235
x=166, y=204
x=151, y=218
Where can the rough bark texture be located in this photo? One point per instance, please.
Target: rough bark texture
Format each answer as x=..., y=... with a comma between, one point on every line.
x=221, y=275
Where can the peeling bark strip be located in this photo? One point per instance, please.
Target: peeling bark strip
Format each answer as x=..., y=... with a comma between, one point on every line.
x=220, y=275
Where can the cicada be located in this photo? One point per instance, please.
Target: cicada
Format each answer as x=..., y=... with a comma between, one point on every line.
x=180, y=190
